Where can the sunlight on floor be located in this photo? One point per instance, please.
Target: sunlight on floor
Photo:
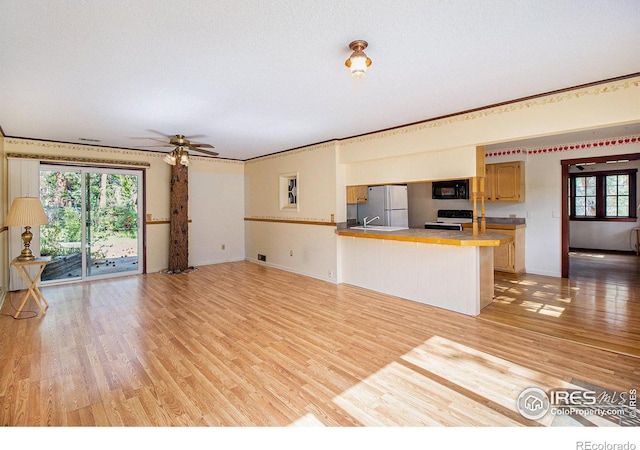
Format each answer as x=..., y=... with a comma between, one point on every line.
x=524, y=282
x=308, y=420
x=554, y=311
x=541, y=308
x=444, y=383
x=587, y=255
x=531, y=306
x=504, y=299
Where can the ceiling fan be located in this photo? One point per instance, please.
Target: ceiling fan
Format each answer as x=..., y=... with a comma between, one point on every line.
x=181, y=144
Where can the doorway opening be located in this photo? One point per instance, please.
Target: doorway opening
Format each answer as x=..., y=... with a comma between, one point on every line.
x=565, y=227
x=95, y=225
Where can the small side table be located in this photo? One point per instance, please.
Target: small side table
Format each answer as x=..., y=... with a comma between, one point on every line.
x=637, y=230
x=32, y=283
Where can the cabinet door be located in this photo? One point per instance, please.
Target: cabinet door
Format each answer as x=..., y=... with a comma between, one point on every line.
x=352, y=194
x=357, y=194
x=503, y=258
x=362, y=194
x=504, y=182
x=489, y=182
x=507, y=182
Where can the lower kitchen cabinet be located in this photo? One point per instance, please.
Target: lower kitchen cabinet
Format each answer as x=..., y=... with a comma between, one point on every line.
x=508, y=257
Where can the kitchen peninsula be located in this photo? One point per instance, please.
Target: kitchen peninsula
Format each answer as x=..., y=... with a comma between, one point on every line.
x=444, y=268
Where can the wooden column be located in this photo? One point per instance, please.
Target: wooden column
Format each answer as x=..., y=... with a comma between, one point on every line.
x=179, y=219
x=474, y=200
x=481, y=174
x=483, y=224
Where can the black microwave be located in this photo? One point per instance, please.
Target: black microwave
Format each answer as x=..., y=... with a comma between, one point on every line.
x=450, y=189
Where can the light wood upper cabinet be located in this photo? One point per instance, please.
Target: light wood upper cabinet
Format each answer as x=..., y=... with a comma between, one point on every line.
x=357, y=194
x=505, y=182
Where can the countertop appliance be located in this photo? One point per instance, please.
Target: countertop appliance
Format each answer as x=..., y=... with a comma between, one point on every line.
x=390, y=202
x=453, y=189
x=450, y=219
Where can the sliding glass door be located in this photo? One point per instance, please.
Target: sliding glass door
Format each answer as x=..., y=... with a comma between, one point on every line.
x=95, y=222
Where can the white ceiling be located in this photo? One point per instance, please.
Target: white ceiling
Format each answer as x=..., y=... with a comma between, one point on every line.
x=257, y=77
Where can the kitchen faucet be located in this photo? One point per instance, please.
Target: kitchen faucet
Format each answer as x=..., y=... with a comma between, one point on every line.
x=367, y=222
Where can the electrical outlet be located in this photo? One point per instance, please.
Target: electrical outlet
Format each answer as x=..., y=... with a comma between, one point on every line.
x=223, y=246
x=330, y=273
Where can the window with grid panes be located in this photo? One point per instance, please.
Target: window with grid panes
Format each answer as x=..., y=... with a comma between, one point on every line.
x=606, y=195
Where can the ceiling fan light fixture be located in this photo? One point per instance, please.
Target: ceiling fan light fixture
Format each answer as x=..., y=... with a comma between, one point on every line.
x=358, y=62
x=184, y=159
x=170, y=159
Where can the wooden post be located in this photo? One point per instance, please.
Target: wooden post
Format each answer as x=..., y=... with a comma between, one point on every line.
x=483, y=224
x=179, y=219
x=481, y=173
x=474, y=196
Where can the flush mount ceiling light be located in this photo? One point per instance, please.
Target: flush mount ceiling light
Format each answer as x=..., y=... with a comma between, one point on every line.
x=358, y=62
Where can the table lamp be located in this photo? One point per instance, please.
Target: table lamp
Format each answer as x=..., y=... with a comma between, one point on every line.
x=25, y=212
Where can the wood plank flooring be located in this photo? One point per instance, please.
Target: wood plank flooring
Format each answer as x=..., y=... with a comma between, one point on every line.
x=598, y=305
x=241, y=344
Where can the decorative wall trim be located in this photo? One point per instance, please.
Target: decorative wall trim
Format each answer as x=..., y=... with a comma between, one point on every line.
x=80, y=148
x=507, y=107
x=160, y=222
x=111, y=151
x=75, y=159
x=310, y=148
x=601, y=143
x=297, y=222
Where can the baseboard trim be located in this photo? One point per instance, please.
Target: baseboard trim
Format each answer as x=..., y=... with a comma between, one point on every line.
x=289, y=269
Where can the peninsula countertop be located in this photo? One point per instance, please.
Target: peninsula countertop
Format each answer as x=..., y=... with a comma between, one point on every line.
x=425, y=236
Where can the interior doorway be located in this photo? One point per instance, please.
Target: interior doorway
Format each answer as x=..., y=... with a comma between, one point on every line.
x=95, y=222
x=565, y=227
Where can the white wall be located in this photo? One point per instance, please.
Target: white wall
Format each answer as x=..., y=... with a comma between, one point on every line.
x=216, y=211
x=285, y=236
x=216, y=202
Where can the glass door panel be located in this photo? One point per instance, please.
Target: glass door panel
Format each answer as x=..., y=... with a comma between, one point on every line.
x=61, y=239
x=111, y=218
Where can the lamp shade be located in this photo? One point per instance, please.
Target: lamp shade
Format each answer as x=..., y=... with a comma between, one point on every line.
x=358, y=62
x=26, y=211
x=170, y=159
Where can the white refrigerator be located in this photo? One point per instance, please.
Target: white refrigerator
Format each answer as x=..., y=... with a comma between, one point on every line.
x=389, y=202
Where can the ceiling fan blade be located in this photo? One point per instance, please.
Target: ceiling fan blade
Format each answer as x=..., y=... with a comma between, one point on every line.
x=154, y=146
x=196, y=136
x=206, y=152
x=162, y=134
x=163, y=141
x=192, y=144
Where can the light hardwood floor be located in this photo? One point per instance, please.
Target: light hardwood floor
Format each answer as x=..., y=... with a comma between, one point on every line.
x=598, y=305
x=240, y=344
